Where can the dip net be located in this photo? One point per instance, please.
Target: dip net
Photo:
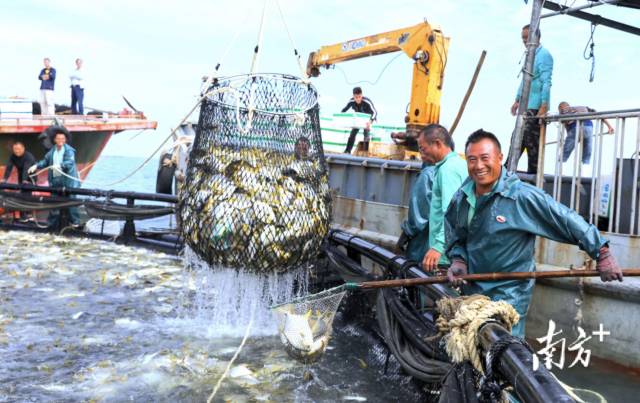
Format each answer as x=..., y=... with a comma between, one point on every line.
x=305, y=324
x=256, y=193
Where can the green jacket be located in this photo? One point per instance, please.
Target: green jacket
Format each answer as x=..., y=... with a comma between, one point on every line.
x=416, y=226
x=500, y=236
x=448, y=176
x=68, y=166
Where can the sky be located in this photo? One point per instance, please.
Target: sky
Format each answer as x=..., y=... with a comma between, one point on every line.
x=155, y=53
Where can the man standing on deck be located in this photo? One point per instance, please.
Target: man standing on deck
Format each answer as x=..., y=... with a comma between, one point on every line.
x=450, y=171
x=539, y=95
x=61, y=161
x=493, y=221
x=77, y=89
x=362, y=104
x=48, y=78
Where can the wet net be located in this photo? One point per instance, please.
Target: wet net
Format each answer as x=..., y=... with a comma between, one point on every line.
x=256, y=194
x=305, y=324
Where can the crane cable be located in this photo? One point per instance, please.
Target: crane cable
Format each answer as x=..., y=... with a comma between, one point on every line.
x=303, y=73
x=346, y=79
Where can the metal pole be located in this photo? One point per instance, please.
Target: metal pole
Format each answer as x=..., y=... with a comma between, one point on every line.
x=570, y=10
x=532, y=45
x=468, y=94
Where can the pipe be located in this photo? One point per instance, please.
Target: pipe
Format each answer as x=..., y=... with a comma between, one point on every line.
x=569, y=10
x=92, y=192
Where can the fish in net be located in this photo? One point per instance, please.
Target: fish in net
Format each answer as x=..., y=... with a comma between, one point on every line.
x=256, y=194
x=305, y=324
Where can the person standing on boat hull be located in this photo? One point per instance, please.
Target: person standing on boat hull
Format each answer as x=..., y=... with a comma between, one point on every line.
x=493, y=221
x=77, y=89
x=61, y=160
x=48, y=78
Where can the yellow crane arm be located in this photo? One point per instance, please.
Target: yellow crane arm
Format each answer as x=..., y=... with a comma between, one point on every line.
x=424, y=44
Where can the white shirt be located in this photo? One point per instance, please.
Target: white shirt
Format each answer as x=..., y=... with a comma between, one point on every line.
x=77, y=78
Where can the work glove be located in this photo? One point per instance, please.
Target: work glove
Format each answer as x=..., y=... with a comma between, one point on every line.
x=607, y=266
x=32, y=169
x=402, y=243
x=458, y=268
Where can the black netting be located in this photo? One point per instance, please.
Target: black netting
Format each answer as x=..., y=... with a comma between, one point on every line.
x=256, y=194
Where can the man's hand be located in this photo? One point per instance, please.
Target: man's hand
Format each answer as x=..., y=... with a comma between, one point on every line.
x=514, y=108
x=431, y=259
x=368, y=125
x=458, y=268
x=32, y=169
x=607, y=266
x=542, y=111
x=403, y=240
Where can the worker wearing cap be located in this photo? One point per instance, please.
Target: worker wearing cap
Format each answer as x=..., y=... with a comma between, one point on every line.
x=493, y=221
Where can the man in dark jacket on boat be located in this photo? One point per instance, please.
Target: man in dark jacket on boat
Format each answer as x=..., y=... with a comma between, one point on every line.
x=62, y=172
x=361, y=104
x=21, y=160
x=492, y=223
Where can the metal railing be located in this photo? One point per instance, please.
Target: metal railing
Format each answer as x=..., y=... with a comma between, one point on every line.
x=604, y=190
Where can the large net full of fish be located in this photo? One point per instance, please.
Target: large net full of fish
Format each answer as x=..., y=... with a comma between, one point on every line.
x=256, y=195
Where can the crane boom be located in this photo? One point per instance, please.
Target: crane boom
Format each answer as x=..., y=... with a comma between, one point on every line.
x=423, y=43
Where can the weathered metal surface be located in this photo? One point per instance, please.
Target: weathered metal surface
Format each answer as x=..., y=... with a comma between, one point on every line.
x=372, y=179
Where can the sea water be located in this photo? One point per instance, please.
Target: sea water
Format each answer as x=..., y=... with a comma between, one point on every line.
x=87, y=320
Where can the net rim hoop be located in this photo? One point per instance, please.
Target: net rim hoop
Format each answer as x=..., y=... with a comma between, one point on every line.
x=313, y=297
x=248, y=76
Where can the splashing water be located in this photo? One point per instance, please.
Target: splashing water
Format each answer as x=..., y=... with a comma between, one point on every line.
x=228, y=298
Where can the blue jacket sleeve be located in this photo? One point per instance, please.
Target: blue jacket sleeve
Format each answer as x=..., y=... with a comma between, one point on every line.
x=52, y=74
x=546, y=70
x=40, y=75
x=455, y=232
x=545, y=217
x=68, y=161
x=46, y=161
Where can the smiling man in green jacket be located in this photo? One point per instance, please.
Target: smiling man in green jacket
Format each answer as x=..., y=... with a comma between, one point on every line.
x=493, y=221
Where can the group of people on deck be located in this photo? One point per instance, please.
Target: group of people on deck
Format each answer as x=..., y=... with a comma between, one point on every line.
x=47, y=79
x=474, y=216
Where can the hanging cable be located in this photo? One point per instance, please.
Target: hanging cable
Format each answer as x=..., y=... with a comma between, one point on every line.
x=256, y=50
x=590, y=45
x=213, y=75
x=346, y=79
x=303, y=72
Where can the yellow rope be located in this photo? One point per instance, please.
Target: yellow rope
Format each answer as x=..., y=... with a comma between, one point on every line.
x=460, y=319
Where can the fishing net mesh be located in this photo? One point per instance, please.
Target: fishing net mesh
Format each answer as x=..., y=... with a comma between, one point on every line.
x=305, y=324
x=256, y=194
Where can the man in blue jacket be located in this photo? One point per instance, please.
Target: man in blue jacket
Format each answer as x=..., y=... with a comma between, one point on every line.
x=493, y=221
x=539, y=95
x=61, y=161
x=414, y=240
x=47, y=79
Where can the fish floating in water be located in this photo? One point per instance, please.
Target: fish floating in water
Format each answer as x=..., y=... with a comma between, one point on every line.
x=255, y=209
